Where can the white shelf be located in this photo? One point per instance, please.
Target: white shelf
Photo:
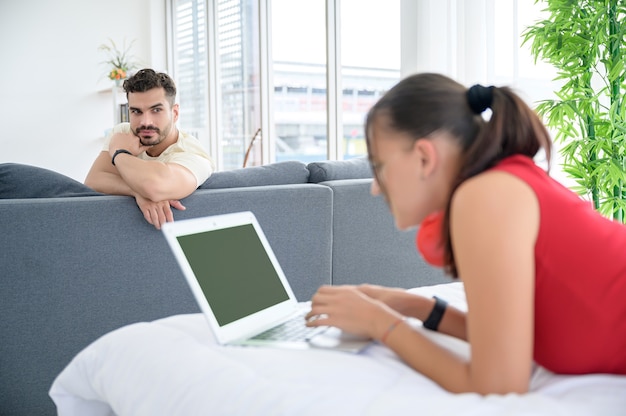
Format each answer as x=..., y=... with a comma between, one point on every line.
x=118, y=97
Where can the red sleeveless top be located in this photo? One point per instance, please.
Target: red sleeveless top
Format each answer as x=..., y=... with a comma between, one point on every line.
x=580, y=273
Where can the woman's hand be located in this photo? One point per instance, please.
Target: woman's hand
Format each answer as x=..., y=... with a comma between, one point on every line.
x=397, y=299
x=351, y=310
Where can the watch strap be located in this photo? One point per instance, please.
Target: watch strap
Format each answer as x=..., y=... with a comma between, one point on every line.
x=433, y=320
x=117, y=152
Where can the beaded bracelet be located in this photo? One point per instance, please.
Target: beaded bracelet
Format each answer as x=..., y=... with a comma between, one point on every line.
x=391, y=328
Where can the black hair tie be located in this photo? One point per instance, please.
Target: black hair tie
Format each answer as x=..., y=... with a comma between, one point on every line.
x=479, y=98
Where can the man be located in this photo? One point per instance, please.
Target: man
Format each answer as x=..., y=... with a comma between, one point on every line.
x=149, y=158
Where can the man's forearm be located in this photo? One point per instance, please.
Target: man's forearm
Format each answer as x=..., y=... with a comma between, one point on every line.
x=109, y=183
x=104, y=177
x=154, y=180
x=127, y=177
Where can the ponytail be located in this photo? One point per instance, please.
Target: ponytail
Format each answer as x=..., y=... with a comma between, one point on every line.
x=513, y=128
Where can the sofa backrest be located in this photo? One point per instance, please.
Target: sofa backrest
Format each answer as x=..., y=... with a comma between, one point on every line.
x=367, y=247
x=290, y=172
x=332, y=170
x=281, y=173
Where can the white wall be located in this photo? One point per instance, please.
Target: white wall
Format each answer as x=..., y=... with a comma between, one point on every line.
x=52, y=110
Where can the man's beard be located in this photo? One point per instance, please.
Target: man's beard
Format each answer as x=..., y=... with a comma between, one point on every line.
x=153, y=141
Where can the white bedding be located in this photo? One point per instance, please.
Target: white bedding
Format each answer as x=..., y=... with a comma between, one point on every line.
x=173, y=367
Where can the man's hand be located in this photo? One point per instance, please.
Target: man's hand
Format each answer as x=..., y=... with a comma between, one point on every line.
x=158, y=213
x=126, y=141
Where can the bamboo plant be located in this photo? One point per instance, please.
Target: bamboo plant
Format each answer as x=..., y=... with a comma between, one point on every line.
x=585, y=42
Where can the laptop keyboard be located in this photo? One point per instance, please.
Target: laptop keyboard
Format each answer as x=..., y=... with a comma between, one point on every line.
x=292, y=330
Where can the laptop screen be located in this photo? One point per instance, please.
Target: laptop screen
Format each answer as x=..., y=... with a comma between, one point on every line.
x=234, y=271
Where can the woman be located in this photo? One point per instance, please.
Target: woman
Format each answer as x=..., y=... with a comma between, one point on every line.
x=544, y=274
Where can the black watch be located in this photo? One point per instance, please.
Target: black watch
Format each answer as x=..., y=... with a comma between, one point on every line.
x=117, y=152
x=433, y=320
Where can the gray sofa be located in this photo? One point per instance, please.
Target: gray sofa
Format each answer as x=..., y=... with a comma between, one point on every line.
x=77, y=266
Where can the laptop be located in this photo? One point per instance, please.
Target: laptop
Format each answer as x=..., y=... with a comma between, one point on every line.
x=240, y=287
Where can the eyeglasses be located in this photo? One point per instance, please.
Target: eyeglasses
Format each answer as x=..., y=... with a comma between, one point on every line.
x=378, y=168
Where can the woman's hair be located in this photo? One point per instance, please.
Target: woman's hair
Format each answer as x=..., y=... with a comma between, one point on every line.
x=147, y=79
x=423, y=104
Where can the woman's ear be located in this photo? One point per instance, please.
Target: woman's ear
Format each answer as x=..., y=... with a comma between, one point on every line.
x=426, y=153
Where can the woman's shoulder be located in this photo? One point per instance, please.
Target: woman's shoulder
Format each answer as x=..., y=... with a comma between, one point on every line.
x=491, y=182
x=491, y=209
x=491, y=189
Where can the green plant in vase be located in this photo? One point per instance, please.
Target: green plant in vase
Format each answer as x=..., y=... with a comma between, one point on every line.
x=585, y=42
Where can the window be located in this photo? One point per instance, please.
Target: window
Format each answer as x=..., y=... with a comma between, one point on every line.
x=298, y=37
x=191, y=65
x=219, y=103
x=238, y=79
x=368, y=36
x=370, y=63
x=219, y=77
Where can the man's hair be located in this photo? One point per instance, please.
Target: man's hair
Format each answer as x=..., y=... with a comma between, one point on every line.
x=147, y=79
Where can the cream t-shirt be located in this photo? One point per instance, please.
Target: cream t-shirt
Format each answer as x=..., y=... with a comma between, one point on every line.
x=187, y=152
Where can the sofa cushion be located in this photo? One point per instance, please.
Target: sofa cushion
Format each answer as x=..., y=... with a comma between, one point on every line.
x=19, y=181
x=281, y=173
x=330, y=170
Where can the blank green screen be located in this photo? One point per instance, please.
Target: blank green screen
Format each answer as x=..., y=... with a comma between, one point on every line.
x=234, y=271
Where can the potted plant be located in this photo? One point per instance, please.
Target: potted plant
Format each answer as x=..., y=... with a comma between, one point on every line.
x=119, y=62
x=585, y=42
